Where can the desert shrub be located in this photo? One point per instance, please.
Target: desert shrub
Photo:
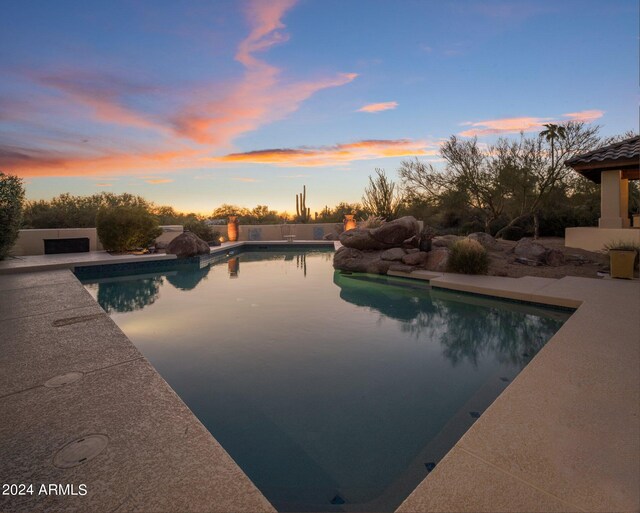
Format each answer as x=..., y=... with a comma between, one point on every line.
x=126, y=228
x=371, y=222
x=201, y=229
x=468, y=257
x=69, y=211
x=11, y=200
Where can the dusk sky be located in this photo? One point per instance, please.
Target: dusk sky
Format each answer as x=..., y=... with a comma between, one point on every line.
x=194, y=104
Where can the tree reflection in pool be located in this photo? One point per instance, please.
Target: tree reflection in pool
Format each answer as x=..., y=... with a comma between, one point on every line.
x=332, y=392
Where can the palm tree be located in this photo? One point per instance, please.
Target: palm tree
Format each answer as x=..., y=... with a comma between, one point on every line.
x=552, y=133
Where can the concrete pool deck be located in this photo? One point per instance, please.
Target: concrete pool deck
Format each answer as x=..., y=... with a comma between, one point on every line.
x=564, y=436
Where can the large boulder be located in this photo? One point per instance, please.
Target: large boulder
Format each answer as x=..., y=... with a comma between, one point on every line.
x=418, y=258
x=445, y=241
x=437, y=260
x=186, y=245
x=355, y=260
x=403, y=268
x=395, y=232
x=485, y=239
x=527, y=248
x=393, y=254
x=530, y=252
x=360, y=238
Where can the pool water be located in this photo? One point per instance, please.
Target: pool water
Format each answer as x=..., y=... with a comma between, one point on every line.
x=332, y=391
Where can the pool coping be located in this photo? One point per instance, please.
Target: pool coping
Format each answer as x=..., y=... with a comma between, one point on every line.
x=536, y=448
x=34, y=263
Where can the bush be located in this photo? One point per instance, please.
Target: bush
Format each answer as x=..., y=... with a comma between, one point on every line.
x=126, y=228
x=11, y=200
x=468, y=257
x=68, y=211
x=371, y=222
x=202, y=230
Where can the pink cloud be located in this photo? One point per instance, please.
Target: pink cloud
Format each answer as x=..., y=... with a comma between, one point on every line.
x=585, y=116
x=245, y=180
x=210, y=117
x=338, y=154
x=378, y=107
x=524, y=124
x=261, y=95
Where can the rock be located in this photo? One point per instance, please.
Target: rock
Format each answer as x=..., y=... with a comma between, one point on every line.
x=419, y=258
x=576, y=259
x=360, y=238
x=485, y=239
x=186, y=245
x=437, y=260
x=554, y=257
x=411, y=250
x=397, y=231
x=355, y=260
x=404, y=268
x=528, y=261
x=445, y=241
x=530, y=250
x=411, y=242
x=393, y=254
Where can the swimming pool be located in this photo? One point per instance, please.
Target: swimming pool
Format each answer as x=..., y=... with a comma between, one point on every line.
x=332, y=391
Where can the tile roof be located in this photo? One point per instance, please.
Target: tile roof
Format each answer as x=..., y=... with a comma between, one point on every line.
x=623, y=150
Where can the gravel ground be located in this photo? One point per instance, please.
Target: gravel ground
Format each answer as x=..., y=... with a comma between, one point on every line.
x=578, y=262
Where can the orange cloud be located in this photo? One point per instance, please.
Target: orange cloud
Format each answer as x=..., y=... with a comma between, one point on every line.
x=104, y=184
x=156, y=181
x=378, y=107
x=37, y=162
x=524, y=124
x=246, y=180
x=338, y=154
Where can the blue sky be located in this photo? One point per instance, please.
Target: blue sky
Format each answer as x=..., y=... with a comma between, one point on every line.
x=195, y=104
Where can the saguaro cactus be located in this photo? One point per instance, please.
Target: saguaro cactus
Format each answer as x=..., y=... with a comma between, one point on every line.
x=302, y=212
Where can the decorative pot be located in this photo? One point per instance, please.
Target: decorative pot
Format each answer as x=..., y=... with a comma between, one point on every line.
x=622, y=262
x=232, y=229
x=349, y=222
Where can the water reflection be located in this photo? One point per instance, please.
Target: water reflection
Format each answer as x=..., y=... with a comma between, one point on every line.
x=188, y=277
x=127, y=295
x=465, y=332
x=233, y=267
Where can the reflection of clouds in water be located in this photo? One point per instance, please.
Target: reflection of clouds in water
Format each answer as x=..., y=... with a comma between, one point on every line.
x=465, y=329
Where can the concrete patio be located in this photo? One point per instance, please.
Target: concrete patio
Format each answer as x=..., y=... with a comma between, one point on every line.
x=564, y=436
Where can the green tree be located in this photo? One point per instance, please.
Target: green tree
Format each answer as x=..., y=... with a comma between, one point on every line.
x=11, y=202
x=126, y=228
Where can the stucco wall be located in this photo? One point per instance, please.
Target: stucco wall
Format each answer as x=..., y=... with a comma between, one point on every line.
x=31, y=242
x=594, y=239
x=312, y=231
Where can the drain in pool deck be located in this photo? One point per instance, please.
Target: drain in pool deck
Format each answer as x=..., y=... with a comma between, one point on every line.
x=80, y=451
